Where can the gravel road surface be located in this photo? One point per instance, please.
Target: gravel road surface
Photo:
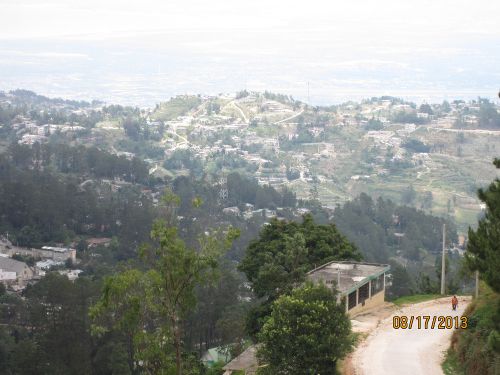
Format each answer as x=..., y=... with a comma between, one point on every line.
x=389, y=351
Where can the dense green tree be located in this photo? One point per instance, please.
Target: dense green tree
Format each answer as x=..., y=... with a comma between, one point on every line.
x=415, y=145
x=483, y=248
x=132, y=128
x=219, y=316
x=289, y=198
x=426, y=285
x=445, y=107
x=427, y=200
x=152, y=305
x=46, y=331
x=29, y=236
x=408, y=118
x=282, y=255
x=185, y=159
x=58, y=306
x=374, y=124
x=43, y=206
x=285, y=251
x=409, y=195
x=306, y=333
x=488, y=115
x=426, y=108
x=401, y=282
x=382, y=229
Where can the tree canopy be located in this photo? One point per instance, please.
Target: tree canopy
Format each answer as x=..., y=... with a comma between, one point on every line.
x=286, y=250
x=381, y=229
x=306, y=333
x=151, y=305
x=483, y=249
x=488, y=115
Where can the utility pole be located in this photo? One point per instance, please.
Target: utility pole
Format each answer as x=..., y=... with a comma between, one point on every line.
x=338, y=285
x=443, y=276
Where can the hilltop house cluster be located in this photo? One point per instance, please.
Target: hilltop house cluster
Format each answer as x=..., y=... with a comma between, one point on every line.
x=283, y=143
x=244, y=140
x=30, y=132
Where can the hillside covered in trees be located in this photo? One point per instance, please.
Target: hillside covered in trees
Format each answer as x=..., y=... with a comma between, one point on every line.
x=96, y=179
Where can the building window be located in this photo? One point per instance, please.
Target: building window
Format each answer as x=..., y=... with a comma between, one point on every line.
x=352, y=300
x=363, y=293
x=377, y=284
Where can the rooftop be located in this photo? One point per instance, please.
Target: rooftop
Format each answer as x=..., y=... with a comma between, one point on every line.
x=56, y=249
x=12, y=265
x=246, y=361
x=349, y=275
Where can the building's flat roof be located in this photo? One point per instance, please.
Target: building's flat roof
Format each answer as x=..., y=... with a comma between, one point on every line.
x=12, y=265
x=57, y=249
x=352, y=274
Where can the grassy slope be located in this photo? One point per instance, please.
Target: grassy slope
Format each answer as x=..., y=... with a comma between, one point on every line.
x=476, y=350
x=451, y=365
x=446, y=175
x=177, y=106
x=416, y=298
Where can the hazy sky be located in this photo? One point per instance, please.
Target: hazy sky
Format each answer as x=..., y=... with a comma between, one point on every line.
x=145, y=51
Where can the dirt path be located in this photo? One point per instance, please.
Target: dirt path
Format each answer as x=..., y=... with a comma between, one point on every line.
x=289, y=118
x=241, y=111
x=389, y=351
x=184, y=140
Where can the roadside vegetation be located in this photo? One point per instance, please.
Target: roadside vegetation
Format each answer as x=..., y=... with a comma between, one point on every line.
x=451, y=365
x=477, y=348
x=415, y=298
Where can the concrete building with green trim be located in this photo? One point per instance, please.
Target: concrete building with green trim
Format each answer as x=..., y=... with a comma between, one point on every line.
x=360, y=286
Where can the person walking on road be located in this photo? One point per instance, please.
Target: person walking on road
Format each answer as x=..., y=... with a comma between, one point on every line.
x=454, y=302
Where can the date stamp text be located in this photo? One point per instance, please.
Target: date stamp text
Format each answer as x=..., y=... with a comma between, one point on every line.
x=429, y=322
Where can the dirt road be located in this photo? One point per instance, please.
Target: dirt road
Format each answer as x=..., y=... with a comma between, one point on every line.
x=289, y=118
x=240, y=111
x=389, y=351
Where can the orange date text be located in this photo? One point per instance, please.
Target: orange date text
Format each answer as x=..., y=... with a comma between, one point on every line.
x=429, y=322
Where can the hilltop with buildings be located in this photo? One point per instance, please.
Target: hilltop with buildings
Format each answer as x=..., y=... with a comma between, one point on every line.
x=431, y=156
x=82, y=184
